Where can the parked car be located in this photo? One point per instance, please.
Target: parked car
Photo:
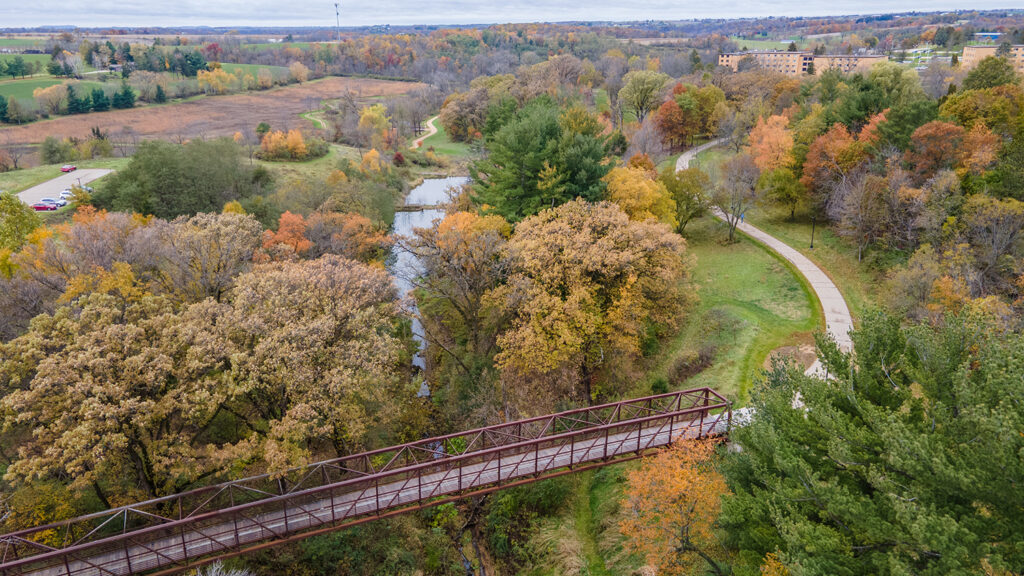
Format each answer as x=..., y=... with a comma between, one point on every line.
x=66, y=194
x=57, y=202
x=43, y=206
x=68, y=168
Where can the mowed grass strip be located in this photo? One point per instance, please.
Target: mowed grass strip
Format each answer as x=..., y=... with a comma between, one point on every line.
x=22, y=88
x=750, y=303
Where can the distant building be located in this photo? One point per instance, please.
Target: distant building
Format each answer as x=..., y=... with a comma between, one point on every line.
x=797, y=63
x=974, y=54
x=990, y=36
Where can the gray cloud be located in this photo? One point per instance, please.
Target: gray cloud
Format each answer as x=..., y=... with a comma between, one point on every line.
x=363, y=12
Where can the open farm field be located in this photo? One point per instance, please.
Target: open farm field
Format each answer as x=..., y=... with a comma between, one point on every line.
x=253, y=68
x=210, y=116
x=43, y=58
x=22, y=88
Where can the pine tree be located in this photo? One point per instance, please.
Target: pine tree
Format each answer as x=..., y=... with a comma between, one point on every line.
x=125, y=98
x=76, y=104
x=100, y=102
x=906, y=460
x=3, y=109
x=160, y=97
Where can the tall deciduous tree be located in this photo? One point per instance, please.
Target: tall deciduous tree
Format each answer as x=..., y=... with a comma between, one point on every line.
x=691, y=190
x=584, y=283
x=672, y=503
x=737, y=191
x=771, y=143
x=640, y=195
x=642, y=92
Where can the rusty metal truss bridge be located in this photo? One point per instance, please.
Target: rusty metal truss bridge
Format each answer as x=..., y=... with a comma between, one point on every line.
x=174, y=533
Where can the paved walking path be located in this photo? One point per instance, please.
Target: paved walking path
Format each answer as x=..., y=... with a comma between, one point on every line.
x=838, y=321
x=431, y=130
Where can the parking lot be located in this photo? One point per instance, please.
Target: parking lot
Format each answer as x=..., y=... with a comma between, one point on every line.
x=52, y=188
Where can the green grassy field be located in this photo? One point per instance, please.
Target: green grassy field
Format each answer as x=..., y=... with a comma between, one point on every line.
x=762, y=44
x=751, y=302
x=276, y=45
x=18, y=180
x=22, y=88
x=316, y=169
x=23, y=41
x=444, y=145
x=253, y=68
x=43, y=58
x=832, y=254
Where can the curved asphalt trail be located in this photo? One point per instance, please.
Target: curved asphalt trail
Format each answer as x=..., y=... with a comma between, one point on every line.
x=838, y=321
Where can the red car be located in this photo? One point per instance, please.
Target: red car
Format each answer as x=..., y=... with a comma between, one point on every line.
x=43, y=206
x=68, y=168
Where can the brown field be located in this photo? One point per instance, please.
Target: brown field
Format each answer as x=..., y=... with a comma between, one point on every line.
x=210, y=116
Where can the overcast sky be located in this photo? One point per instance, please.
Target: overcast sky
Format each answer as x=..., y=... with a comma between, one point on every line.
x=366, y=12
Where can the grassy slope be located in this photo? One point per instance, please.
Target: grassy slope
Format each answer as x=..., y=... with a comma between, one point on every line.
x=18, y=180
x=833, y=255
x=253, y=68
x=444, y=145
x=751, y=302
x=766, y=44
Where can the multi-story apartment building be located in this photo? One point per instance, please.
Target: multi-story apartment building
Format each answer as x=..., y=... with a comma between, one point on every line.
x=975, y=54
x=796, y=63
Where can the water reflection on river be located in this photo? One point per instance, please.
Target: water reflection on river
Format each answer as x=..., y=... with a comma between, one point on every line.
x=405, y=265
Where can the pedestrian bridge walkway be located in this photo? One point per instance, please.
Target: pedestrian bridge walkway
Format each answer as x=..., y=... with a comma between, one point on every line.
x=174, y=533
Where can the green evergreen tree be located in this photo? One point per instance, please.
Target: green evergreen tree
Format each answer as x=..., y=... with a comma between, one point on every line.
x=100, y=102
x=160, y=97
x=905, y=460
x=124, y=98
x=77, y=104
x=3, y=109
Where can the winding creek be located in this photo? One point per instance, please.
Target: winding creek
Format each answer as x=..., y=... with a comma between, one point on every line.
x=405, y=266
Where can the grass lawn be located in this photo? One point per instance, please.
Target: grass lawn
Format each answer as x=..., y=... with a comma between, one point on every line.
x=750, y=303
x=444, y=145
x=832, y=254
x=18, y=180
x=316, y=169
x=43, y=58
x=253, y=68
x=22, y=88
x=23, y=41
x=765, y=44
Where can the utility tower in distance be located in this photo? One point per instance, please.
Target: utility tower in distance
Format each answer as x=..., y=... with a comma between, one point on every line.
x=337, y=16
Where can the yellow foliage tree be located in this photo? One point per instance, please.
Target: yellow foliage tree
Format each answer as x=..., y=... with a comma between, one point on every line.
x=641, y=196
x=298, y=71
x=672, y=503
x=296, y=145
x=371, y=162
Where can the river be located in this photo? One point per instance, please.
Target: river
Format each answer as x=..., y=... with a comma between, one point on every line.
x=405, y=266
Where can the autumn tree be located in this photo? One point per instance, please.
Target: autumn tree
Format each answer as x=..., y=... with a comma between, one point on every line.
x=672, y=503
x=584, y=282
x=935, y=146
x=298, y=72
x=994, y=229
x=640, y=195
x=296, y=365
x=16, y=221
x=862, y=217
x=771, y=143
x=346, y=234
x=830, y=160
x=737, y=191
x=290, y=235
x=691, y=190
x=460, y=261
x=642, y=91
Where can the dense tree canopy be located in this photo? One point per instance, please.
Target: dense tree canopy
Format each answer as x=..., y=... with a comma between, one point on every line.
x=902, y=461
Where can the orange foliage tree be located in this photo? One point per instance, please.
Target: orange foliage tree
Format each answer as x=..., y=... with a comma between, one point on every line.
x=935, y=146
x=291, y=232
x=672, y=502
x=771, y=142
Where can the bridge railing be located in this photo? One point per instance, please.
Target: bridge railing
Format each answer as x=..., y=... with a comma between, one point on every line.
x=225, y=519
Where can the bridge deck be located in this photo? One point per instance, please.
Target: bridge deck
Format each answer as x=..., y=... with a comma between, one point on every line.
x=173, y=544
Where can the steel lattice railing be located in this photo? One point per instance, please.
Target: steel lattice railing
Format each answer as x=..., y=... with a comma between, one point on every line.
x=170, y=534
